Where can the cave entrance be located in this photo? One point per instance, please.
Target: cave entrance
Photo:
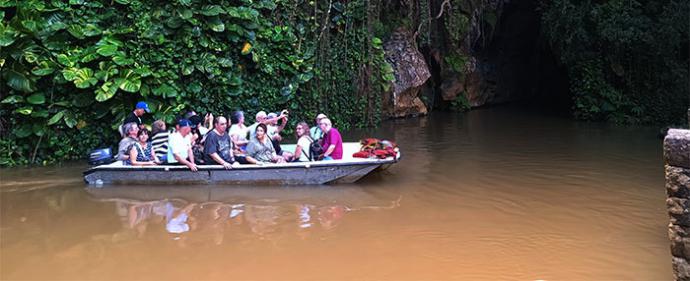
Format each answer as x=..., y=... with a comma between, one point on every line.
x=514, y=64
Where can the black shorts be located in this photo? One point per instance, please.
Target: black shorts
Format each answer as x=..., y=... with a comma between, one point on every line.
x=241, y=159
x=276, y=146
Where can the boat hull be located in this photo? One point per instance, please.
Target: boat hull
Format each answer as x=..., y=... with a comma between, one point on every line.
x=312, y=173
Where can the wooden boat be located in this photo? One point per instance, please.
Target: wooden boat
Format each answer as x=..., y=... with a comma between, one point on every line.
x=347, y=170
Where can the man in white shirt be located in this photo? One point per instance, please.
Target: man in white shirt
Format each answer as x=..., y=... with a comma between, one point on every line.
x=180, y=145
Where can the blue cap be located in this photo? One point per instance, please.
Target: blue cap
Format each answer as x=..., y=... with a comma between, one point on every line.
x=143, y=105
x=184, y=123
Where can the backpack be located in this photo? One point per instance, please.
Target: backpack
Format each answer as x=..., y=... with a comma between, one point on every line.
x=315, y=150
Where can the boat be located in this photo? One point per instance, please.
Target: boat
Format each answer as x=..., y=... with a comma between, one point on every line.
x=346, y=170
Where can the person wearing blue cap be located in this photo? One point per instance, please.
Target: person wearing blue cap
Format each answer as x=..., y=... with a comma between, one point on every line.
x=180, y=145
x=135, y=116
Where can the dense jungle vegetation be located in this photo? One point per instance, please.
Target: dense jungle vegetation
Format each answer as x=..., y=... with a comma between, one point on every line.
x=627, y=61
x=72, y=69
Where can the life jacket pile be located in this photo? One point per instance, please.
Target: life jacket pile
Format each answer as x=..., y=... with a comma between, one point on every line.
x=375, y=148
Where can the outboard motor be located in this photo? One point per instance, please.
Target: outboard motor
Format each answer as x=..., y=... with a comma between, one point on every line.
x=101, y=156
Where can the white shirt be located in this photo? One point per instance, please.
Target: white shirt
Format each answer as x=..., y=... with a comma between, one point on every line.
x=241, y=133
x=271, y=130
x=304, y=144
x=177, y=144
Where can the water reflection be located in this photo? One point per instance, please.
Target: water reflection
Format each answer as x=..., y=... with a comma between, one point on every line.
x=490, y=194
x=264, y=213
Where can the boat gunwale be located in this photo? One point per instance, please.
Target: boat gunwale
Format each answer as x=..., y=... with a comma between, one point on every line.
x=271, y=166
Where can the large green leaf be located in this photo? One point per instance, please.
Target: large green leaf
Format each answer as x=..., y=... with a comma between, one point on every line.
x=40, y=113
x=36, y=99
x=107, y=50
x=91, y=30
x=128, y=84
x=43, y=68
x=26, y=110
x=13, y=99
x=38, y=129
x=165, y=90
x=70, y=73
x=23, y=131
x=19, y=81
x=7, y=35
x=122, y=60
x=56, y=118
x=212, y=10
x=106, y=91
x=216, y=24
x=70, y=121
x=185, y=13
x=30, y=25
x=82, y=77
x=76, y=30
x=67, y=60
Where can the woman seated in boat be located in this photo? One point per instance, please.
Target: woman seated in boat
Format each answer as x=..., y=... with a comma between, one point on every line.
x=261, y=148
x=302, y=150
x=238, y=131
x=141, y=153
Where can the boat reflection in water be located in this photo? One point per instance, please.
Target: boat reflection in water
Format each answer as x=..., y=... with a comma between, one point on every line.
x=205, y=214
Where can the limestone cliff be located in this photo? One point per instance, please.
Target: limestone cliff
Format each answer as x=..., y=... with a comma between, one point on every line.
x=411, y=72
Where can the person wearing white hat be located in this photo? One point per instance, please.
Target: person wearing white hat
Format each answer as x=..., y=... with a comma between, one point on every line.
x=315, y=132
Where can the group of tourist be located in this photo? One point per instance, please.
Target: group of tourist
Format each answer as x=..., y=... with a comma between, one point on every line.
x=215, y=140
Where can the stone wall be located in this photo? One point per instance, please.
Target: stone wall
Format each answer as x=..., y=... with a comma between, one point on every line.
x=677, y=160
x=411, y=72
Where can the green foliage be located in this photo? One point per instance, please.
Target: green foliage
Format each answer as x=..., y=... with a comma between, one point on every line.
x=455, y=62
x=626, y=60
x=460, y=104
x=71, y=70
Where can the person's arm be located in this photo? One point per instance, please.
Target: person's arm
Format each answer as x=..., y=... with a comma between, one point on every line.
x=220, y=161
x=208, y=120
x=329, y=150
x=122, y=152
x=190, y=154
x=236, y=140
x=298, y=151
x=184, y=161
x=282, y=124
x=155, y=157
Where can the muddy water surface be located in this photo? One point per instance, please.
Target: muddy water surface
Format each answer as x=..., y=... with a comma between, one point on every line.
x=491, y=194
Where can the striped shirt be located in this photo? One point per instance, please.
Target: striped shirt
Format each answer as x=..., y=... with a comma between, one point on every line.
x=159, y=142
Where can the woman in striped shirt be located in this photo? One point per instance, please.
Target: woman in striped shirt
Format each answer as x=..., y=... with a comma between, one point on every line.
x=159, y=140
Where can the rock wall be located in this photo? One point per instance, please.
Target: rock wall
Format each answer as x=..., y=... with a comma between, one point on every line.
x=411, y=72
x=499, y=58
x=506, y=57
x=677, y=160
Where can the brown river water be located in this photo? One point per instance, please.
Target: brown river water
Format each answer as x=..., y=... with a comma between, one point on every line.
x=490, y=194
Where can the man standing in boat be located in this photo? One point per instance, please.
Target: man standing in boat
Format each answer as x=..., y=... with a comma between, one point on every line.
x=180, y=145
x=139, y=110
